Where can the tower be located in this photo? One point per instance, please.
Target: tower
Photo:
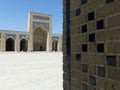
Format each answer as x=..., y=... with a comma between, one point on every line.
x=91, y=45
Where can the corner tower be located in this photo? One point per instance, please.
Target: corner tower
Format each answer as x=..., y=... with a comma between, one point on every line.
x=40, y=29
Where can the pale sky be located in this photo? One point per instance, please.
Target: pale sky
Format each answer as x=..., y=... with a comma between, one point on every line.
x=14, y=13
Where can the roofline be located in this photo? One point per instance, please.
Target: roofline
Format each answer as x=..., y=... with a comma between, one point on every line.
x=13, y=31
x=40, y=13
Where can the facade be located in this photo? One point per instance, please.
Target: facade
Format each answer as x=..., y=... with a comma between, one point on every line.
x=38, y=37
x=91, y=45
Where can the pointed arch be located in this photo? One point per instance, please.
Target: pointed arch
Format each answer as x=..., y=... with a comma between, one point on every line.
x=55, y=45
x=23, y=45
x=10, y=44
x=40, y=39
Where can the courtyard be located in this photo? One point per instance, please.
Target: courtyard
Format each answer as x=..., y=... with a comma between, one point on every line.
x=31, y=71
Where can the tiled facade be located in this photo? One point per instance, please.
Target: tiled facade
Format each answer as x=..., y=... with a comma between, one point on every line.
x=91, y=44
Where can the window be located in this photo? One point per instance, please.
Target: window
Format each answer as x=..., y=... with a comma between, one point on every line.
x=111, y=60
x=84, y=86
x=84, y=68
x=100, y=24
x=92, y=37
x=77, y=12
x=83, y=1
x=100, y=48
x=91, y=16
x=77, y=57
x=101, y=71
x=84, y=47
x=109, y=1
x=92, y=80
x=84, y=28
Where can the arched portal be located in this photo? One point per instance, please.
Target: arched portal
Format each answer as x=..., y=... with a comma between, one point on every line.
x=23, y=45
x=40, y=39
x=54, y=45
x=10, y=44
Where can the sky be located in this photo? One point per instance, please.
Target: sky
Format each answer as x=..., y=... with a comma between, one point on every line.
x=14, y=13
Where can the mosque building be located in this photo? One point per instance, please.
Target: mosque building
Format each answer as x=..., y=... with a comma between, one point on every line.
x=38, y=37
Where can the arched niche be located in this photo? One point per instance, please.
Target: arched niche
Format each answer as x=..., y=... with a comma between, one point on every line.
x=55, y=45
x=40, y=39
x=10, y=44
x=23, y=45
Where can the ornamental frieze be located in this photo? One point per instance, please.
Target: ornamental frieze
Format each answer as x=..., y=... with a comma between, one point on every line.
x=40, y=17
x=36, y=24
x=10, y=36
x=24, y=36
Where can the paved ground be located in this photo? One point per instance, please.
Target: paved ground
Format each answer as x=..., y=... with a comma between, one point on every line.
x=31, y=71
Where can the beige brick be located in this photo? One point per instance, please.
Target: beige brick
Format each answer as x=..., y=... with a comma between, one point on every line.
x=92, y=47
x=109, y=9
x=113, y=21
x=91, y=26
x=76, y=74
x=75, y=84
x=113, y=34
x=113, y=73
x=112, y=47
x=101, y=36
x=111, y=85
x=100, y=82
x=92, y=69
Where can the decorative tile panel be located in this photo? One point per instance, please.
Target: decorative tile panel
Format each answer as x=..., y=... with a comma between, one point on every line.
x=10, y=35
x=40, y=17
x=36, y=24
x=24, y=36
x=55, y=37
